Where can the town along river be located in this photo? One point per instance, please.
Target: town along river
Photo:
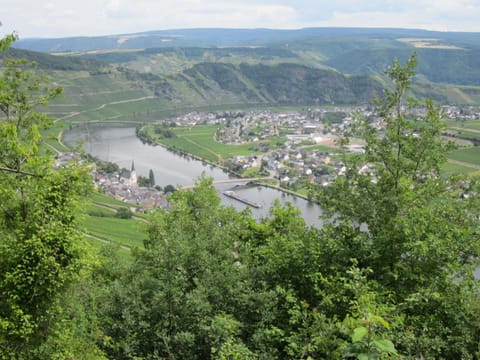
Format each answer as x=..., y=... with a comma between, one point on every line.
x=121, y=145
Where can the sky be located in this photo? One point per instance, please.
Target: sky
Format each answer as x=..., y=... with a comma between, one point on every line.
x=65, y=18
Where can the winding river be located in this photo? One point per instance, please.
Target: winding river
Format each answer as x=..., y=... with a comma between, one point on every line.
x=120, y=145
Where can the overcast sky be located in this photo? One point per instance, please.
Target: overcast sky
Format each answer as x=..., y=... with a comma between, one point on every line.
x=62, y=18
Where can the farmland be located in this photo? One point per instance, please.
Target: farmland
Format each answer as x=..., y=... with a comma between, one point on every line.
x=470, y=156
x=124, y=232
x=200, y=141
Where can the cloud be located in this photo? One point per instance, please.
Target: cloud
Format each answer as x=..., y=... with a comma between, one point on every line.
x=56, y=18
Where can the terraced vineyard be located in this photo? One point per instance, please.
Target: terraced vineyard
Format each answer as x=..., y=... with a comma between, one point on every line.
x=102, y=227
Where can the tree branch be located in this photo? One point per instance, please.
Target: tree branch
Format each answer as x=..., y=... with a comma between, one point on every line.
x=18, y=171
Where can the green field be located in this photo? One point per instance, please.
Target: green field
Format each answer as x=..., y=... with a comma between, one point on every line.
x=467, y=124
x=469, y=155
x=100, y=210
x=199, y=141
x=97, y=246
x=450, y=168
x=51, y=137
x=321, y=148
x=124, y=232
x=100, y=223
x=101, y=198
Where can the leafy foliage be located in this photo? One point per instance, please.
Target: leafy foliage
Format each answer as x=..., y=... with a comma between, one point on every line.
x=408, y=225
x=389, y=275
x=39, y=240
x=123, y=213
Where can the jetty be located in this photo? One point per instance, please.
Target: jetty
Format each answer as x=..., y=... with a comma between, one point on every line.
x=234, y=195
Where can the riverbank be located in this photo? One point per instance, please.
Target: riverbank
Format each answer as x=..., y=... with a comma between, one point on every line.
x=259, y=182
x=165, y=136
x=190, y=156
x=186, y=154
x=121, y=146
x=286, y=191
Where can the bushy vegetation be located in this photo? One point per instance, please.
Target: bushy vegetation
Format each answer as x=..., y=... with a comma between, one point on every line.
x=389, y=275
x=123, y=213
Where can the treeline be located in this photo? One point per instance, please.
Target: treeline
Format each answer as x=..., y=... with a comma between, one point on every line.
x=52, y=62
x=150, y=134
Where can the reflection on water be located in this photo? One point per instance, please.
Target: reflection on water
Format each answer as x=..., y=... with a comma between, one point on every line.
x=120, y=145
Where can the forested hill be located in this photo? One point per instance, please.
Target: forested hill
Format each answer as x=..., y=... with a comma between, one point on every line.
x=282, y=83
x=202, y=77
x=438, y=65
x=444, y=57
x=209, y=83
x=52, y=62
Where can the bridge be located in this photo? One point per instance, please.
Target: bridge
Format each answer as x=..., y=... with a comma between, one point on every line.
x=236, y=180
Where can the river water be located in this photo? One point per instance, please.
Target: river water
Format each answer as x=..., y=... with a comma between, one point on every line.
x=120, y=145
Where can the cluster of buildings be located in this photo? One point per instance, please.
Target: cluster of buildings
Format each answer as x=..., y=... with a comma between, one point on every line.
x=454, y=112
x=120, y=185
x=294, y=163
x=123, y=186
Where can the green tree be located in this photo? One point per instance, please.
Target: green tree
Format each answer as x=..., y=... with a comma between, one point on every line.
x=408, y=224
x=169, y=189
x=143, y=181
x=39, y=239
x=123, y=213
x=187, y=274
x=151, y=178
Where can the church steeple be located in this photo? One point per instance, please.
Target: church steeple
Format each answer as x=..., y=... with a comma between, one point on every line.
x=133, y=175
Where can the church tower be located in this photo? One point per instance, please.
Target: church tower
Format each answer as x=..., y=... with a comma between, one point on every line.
x=133, y=175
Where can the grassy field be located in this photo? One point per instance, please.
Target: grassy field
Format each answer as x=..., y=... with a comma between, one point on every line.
x=97, y=246
x=100, y=210
x=199, y=141
x=468, y=124
x=100, y=223
x=469, y=155
x=451, y=168
x=51, y=137
x=124, y=232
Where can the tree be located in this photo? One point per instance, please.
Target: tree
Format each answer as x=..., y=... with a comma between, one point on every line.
x=187, y=277
x=123, y=213
x=39, y=240
x=151, y=178
x=169, y=189
x=408, y=224
x=143, y=181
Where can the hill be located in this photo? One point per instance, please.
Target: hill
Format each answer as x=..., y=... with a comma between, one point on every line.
x=51, y=62
x=112, y=85
x=241, y=37
x=444, y=57
x=125, y=95
x=281, y=84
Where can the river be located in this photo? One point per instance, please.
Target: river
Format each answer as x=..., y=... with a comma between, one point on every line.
x=120, y=145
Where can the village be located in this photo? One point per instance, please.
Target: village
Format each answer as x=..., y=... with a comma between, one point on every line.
x=307, y=154
x=121, y=184
x=310, y=152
